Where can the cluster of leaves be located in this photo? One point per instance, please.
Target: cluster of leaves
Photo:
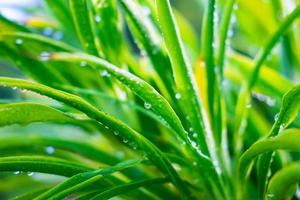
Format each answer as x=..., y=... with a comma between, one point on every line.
x=116, y=98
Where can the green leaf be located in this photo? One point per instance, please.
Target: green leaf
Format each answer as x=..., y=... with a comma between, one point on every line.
x=262, y=55
x=287, y=140
x=223, y=34
x=116, y=126
x=82, y=22
x=289, y=109
x=182, y=71
x=147, y=38
x=152, y=99
x=284, y=183
x=87, y=150
x=121, y=189
x=26, y=113
x=208, y=54
x=41, y=164
x=31, y=37
x=79, y=181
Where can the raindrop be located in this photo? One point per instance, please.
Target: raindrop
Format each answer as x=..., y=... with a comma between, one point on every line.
x=276, y=117
x=249, y=105
x=30, y=173
x=14, y=88
x=147, y=105
x=235, y=6
x=270, y=195
x=97, y=18
x=146, y=10
x=116, y=133
x=19, y=41
x=50, y=150
x=178, y=96
x=125, y=140
x=44, y=56
x=105, y=73
x=83, y=64
x=48, y=31
x=191, y=129
x=194, y=144
x=195, y=135
x=57, y=35
x=17, y=172
x=120, y=154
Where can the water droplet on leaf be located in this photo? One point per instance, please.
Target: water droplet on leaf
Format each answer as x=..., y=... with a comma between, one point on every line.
x=19, y=41
x=147, y=105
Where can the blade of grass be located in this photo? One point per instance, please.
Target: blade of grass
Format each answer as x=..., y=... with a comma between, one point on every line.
x=87, y=150
x=288, y=140
x=82, y=22
x=26, y=113
x=140, y=142
x=77, y=182
x=289, y=109
x=223, y=34
x=121, y=189
x=208, y=54
x=284, y=183
x=153, y=100
x=60, y=46
x=244, y=97
x=184, y=80
x=41, y=164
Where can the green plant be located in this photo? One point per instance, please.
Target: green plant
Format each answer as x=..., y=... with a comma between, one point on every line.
x=96, y=115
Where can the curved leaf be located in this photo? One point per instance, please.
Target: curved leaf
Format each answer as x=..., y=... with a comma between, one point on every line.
x=26, y=113
x=137, y=140
x=153, y=100
x=288, y=140
x=59, y=46
x=121, y=189
x=41, y=164
x=182, y=71
x=283, y=184
x=81, y=19
x=81, y=180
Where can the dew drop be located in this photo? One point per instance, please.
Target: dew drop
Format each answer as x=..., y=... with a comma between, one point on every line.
x=17, y=172
x=30, y=173
x=270, y=196
x=83, y=64
x=120, y=154
x=276, y=117
x=191, y=129
x=147, y=105
x=125, y=140
x=14, y=88
x=195, y=135
x=249, y=105
x=57, y=35
x=235, y=6
x=48, y=31
x=19, y=41
x=116, y=133
x=178, y=96
x=44, y=56
x=195, y=163
x=50, y=150
x=97, y=18
x=105, y=73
